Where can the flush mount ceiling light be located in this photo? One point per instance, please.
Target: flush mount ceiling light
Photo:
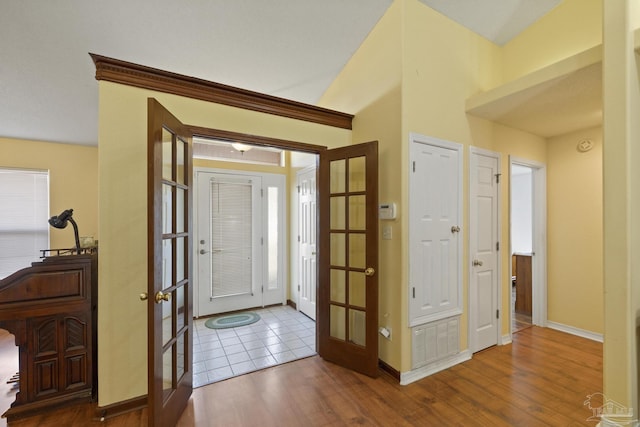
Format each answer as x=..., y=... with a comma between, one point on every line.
x=241, y=147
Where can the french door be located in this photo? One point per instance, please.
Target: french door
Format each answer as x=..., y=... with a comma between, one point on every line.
x=348, y=257
x=170, y=293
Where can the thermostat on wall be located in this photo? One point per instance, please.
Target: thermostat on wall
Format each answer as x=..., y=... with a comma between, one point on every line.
x=387, y=211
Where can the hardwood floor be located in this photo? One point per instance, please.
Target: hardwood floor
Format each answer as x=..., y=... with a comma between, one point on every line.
x=542, y=379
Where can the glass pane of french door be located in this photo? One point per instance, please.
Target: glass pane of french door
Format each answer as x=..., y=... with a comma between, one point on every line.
x=170, y=297
x=347, y=249
x=175, y=254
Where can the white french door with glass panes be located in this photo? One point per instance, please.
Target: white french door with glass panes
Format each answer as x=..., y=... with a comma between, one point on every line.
x=240, y=238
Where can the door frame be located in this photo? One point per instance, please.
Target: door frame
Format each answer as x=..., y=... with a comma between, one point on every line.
x=496, y=155
x=539, y=239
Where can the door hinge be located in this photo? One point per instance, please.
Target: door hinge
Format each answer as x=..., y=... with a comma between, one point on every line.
x=497, y=246
x=262, y=289
x=498, y=178
x=298, y=187
x=262, y=241
x=414, y=166
x=298, y=288
x=414, y=292
x=261, y=192
x=298, y=238
x=497, y=314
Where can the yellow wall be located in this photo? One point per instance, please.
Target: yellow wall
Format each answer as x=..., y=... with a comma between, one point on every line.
x=415, y=83
x=73, y=181
x=621, y=203
x=572, y=27
x=574, y=231
x=123, y=216
x=369, y=86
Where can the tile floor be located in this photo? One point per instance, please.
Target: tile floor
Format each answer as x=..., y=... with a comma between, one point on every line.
x=281, y=335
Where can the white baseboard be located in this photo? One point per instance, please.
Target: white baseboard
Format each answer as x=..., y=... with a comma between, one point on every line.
x=506, y=339
x=432, y=368
x=575, y=331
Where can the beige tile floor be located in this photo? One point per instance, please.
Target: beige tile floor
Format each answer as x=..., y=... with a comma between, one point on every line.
x=281, y=335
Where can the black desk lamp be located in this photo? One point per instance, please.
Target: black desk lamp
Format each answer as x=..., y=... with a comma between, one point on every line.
x=61, y=220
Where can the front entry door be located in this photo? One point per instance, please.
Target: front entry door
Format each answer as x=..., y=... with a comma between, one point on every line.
x=170, y=293
x=484, y=274
x=230, y=270
x=348, y=257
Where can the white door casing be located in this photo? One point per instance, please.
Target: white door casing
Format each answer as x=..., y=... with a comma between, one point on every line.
x=307, y=242
x=484, y=238
x=435, y=217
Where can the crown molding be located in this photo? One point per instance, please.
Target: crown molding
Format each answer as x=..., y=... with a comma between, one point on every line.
x=127, y=73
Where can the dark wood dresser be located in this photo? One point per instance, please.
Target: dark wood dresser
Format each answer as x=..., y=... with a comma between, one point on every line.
x=51, y=309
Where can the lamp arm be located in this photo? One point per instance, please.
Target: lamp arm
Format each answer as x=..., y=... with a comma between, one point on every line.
x=75, y=232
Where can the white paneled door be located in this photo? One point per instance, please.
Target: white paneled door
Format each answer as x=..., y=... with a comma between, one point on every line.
x=484, y=272
x=240, y=243
x=307, y=223
x=435, y=228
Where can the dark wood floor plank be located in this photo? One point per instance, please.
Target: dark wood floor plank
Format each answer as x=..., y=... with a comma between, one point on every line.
x=542, y=379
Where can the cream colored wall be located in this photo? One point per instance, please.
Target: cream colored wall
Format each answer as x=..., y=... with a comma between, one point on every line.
x=570, y=28
x=123, y=216
x=73, y=181
x=437, y=79
x=574, y=231
x=621, y=155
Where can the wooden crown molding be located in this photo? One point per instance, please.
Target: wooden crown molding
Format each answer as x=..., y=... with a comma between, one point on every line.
x=127, y=73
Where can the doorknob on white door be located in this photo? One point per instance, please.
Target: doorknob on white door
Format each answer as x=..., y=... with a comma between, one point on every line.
x=477, y=263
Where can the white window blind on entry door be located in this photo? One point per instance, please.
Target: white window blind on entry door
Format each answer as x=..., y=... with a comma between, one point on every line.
x=231, y=237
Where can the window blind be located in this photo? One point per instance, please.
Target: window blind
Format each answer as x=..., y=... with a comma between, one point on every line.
x=24, y=211
x=231, y=235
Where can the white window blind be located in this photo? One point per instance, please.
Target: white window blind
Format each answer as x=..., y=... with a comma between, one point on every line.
x=231, y=235
x=24, y=212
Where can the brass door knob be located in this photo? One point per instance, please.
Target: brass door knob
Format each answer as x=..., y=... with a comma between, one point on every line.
x=369, y=271
x=144, y=296
x=161, y=296
x=477, y=263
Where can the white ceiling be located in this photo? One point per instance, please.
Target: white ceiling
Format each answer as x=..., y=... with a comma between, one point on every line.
x=287, y=48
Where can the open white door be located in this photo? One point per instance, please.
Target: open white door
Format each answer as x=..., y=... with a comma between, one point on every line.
x=307, y=243
x=484, y=238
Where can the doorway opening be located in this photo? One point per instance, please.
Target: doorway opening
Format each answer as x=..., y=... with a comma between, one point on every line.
x=254, y=236
x=528, y=243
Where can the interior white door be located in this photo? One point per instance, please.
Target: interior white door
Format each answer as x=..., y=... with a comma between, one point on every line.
x=484, y=272
x=307, y=223
x=435, y=228
x=230, y=274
